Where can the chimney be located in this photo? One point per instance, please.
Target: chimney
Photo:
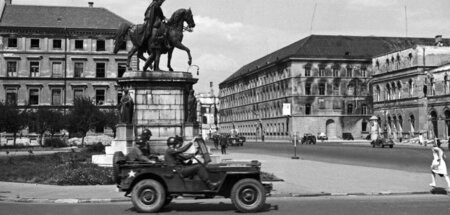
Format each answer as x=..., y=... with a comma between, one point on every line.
x=438, y=40
x=9, y=2
x=91, y=4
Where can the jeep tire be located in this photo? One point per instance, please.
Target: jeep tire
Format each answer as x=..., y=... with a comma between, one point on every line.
x=118, y=156
x=248, y=195
x=148, y=196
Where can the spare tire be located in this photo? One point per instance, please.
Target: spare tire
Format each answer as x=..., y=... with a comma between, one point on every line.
x=118, y=156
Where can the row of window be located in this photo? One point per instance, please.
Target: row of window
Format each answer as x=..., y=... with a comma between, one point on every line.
x=350, y=109
x=56, y=44
x=335, y=72
x=57, y=94
x=335, y=89
x=57, y=69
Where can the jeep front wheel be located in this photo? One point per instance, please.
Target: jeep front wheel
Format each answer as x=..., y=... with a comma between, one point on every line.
x=148, y=196
x=248, y=195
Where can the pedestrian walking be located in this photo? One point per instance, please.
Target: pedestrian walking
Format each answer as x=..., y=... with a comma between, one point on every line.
x=438, y=165
x=223, y=144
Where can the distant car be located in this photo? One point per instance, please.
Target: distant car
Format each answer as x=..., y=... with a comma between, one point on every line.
x=322, y=136
x=308, y=139
x=381, y=141
x=237, y=140
x=347, y=136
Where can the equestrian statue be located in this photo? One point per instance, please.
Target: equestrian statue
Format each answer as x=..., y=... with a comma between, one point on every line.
x=156, y=36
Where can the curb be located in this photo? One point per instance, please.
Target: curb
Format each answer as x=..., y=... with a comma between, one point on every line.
x=288, y=195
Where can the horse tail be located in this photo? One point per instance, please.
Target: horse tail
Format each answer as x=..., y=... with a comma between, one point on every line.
x=120, y=37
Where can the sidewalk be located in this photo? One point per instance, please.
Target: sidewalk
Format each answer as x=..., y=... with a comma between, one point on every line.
x=301, y=178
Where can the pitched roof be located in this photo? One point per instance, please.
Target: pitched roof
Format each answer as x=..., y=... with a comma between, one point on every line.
x=335, y=46
x=57, y=16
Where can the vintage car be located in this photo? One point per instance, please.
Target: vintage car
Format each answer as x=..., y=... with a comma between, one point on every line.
x=381, y=141
x=235, y=138
x=308, y=139
x=322, y=136
x=154, y=185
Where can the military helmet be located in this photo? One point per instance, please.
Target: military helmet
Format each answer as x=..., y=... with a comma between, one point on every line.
x=172, y=141
x=146, y=132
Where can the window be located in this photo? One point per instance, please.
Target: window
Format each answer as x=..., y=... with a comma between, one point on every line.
x=99, y=97
x=364, y=126
x=363, y=72
x=78, y=69
x=100, y=70
x=364, y=109
x=101, y=45
x=79, y=44
x=411, y=87
x=322, y=89
x=57, y=69
x=336, y=89
x=57, y=44
x=349, y=108
x=78, y=93
x=378, y=93
x=335, y=72
x=34, y=69
x=33, y=98
x=351, y=89
x=11, y=97
x=121, y=69
x=11, y=68
x=321, y=71
x=321, y=104
x=307, y=71
x=308, y=109
x=12, y=42
x=56, y=97
x=349, y=72
x=34, y=43
x=308, y=89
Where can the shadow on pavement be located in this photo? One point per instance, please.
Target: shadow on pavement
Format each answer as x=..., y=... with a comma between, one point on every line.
x=439, y=191
x=203, y=207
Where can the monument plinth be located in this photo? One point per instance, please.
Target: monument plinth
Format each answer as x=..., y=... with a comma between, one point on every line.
x=161, y=104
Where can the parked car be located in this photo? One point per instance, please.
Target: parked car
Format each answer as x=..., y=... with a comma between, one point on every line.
x=309, y=138
x=381, y=141
x=154, y=185
x=236, y=139
x=322, y=136
x=347, y=136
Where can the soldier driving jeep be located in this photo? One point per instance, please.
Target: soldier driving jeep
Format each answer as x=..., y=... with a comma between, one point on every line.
x=174, y=157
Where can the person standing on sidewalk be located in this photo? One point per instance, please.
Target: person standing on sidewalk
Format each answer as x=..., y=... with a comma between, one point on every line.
x=438, y=165
x=223, y=144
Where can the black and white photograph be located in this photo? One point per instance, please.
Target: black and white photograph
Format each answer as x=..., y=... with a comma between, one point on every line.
x=311, y=107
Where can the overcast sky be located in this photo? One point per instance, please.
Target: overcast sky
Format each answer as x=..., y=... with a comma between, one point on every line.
x=232, y=33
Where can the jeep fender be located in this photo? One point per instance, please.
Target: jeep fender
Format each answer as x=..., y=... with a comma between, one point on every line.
x=232, y=178
x=146, y=176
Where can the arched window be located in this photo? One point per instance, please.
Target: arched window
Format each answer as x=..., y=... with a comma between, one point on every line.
x=388, y=92
x=378, y=93
x=410, y=87
x=364, y=109
x=399, y=89
x=393, y=87
x=412, y=122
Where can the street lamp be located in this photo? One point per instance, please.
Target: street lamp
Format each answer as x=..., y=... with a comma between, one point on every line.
x=198, y=68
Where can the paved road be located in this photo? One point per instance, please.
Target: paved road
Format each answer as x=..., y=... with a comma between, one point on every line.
x=411, y=205
x=412, y=159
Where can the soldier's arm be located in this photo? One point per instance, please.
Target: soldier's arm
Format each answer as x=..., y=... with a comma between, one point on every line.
x=183, y=148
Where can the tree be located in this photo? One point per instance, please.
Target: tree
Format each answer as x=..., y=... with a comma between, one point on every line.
x=12, y=119
x=46, y=120
x=110, y=118
x=83, y=117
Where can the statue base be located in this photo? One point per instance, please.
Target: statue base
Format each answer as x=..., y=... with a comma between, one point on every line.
x=123, y=142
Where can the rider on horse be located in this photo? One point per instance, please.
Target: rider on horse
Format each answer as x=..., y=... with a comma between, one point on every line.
x=154, y=28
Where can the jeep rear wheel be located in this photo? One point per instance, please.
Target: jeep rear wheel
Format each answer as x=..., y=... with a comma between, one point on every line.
x=148, y=196
x=118, y=156
x=248, y=195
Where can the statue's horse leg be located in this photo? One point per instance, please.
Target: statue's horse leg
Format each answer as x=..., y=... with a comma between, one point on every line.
x=169, y=58
x=157, y=54
x=179, y=45
x=148, y=63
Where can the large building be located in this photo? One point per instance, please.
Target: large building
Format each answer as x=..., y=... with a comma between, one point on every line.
x=51, y=54
x=325, y=80
x=411, y=91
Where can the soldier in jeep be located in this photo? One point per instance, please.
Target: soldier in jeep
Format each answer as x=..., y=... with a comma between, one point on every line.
x=174, y=157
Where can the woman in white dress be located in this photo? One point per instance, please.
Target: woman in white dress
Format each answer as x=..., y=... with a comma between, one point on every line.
x=438, y=165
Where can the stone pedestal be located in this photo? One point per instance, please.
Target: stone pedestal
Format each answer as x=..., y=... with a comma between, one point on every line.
x=123, y=141
x=160, y=102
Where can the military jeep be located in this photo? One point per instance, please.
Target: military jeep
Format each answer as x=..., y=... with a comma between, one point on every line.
x=154, y=185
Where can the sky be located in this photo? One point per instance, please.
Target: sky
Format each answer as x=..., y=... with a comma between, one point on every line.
x=232, y=33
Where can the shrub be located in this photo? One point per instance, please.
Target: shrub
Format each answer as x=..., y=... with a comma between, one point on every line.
x=96, y=148
x=55, y=143
x=82, y=174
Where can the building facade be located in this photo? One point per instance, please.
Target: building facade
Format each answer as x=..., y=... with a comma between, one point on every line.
x=411, y=91
x=325, y=79
x=53, y=54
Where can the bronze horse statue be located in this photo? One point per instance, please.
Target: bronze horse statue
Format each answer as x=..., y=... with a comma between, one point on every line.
x=170, y=33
